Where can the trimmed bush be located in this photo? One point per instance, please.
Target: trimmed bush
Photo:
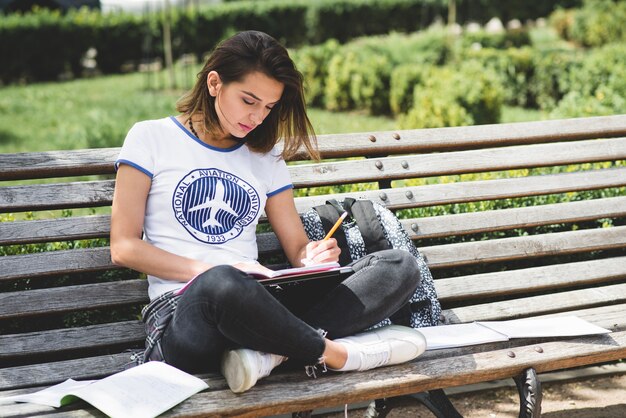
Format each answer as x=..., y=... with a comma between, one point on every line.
x=432, y=110
x=602, y=67
x=514, y=38
x=599, y=22
x=469, y=95
x=404, y=78
x=514, y=67
x=604, y=102
x=347, y=19
x=313, y=63
x=551, y=81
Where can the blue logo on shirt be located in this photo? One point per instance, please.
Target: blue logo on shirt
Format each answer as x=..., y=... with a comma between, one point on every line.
x=214, y=206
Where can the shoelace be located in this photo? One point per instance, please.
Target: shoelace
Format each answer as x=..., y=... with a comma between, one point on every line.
x=374, y=355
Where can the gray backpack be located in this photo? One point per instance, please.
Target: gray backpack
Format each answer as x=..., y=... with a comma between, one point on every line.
x=371, y=227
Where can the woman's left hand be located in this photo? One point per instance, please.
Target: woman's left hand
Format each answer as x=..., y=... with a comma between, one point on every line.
x=318, y=252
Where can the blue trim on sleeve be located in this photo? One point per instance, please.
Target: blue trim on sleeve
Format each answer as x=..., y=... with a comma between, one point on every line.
x=282, y=189
x=204, y=144
x=134, y=165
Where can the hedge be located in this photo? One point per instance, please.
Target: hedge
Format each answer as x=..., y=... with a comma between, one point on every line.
x=43, y=45
x=597, y=23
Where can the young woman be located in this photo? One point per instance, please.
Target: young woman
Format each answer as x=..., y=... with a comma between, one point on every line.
x=188, y=196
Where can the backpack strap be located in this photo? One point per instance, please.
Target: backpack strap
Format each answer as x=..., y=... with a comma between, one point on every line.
x=371, y=229
x=329, y=215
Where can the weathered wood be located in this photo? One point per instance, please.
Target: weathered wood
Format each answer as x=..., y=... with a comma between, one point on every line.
x=100, y=161
x=100, y=193
x=416, y=376
x=473, y=191
x=513, y=282
x=496, y=250
x=490, y=221
x=60, y=229
x=55, y=262
x=56, y=196
x=55, y=372
x=506, y=219
x=538, y=305
x=98, y=226
x=58, y=340
x=441, y=256
x=36, y=165
x=468, y=137
x=594, y=290
x=71, y=298
x=460, y=162
x=290, y=392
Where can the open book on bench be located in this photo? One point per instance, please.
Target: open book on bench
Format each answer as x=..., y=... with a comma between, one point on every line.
x=144, y=391
x=480, y=332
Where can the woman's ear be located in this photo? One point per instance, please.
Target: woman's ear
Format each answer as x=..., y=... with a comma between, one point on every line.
x=214, y=82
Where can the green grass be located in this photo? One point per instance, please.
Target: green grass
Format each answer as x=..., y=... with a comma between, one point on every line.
x=519, y=114
x=98, y=112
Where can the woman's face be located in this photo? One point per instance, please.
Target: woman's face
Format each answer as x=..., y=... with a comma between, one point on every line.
x=243, y=105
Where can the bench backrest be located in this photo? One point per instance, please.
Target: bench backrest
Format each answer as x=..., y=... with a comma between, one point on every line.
x=515, y=220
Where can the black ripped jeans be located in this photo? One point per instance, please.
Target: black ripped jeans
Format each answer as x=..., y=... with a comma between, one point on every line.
x=224, y=308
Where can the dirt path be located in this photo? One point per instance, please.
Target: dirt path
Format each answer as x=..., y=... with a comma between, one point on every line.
x=593, y=397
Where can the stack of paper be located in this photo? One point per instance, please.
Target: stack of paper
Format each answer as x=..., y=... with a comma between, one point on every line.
x=459, y=335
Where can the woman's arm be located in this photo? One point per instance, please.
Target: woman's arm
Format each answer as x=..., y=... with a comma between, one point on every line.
x=127, y=247
x=283, y=216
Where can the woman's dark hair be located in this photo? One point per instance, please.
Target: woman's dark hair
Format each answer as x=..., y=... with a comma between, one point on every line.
x=235, y=58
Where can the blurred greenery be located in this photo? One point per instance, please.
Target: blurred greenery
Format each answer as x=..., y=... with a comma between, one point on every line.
x=91, y=113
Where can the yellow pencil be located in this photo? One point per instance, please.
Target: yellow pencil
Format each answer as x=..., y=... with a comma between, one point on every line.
x=335, y=226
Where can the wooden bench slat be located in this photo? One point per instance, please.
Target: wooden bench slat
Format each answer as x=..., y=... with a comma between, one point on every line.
x=490, y=221
x=30, y=165
x=22, y=166
x=55, y=372
x=56, y=196
x=472, y=191
x=60, y=229
x=55, y=262
x=275, y=397
x=290, y=393
x=59, y=340
x=100, y=193
x=98, y=226
x=441, y=256
x=496, y=250
x=538, y=305
x=459, y=162
x=465, y=137
x=522, y=217
x=70, y=298
x=512, y=282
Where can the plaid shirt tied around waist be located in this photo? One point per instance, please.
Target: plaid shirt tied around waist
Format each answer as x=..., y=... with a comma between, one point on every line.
x=157, y=316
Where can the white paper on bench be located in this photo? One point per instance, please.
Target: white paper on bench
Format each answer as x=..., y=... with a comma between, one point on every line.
x=561, y=326
x=143, y=391
x=460, y=335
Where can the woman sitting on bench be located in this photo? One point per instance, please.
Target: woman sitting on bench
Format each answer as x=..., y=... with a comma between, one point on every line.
x=195, y=185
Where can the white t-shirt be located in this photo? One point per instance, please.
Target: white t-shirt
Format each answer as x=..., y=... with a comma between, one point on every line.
x=204, y=202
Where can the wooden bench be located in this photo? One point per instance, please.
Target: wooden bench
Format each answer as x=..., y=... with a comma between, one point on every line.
x=540, y=231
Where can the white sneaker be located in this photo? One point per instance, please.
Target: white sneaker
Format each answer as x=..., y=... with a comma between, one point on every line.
x=243, y=367
x=386, y=346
